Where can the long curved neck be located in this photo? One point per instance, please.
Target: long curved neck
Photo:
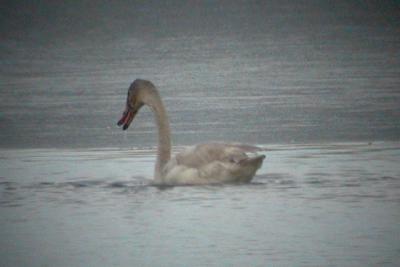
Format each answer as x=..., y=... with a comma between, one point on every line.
x=164, y=134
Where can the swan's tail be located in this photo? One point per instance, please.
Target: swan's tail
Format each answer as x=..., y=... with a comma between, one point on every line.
x=248, y=167
x=256, y=161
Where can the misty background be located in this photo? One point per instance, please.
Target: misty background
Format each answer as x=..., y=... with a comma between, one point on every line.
x=247, y=71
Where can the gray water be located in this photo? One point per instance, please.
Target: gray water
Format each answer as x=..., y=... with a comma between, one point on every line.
x=310, y=205
x=315, y=83
x=250, y=72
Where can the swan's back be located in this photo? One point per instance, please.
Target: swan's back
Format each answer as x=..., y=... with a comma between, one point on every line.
x=213, y=163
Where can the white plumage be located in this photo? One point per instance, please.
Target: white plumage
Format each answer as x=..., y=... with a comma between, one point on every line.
x=211, y=163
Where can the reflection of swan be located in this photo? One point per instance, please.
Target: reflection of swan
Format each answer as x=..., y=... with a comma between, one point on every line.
x=202, y=164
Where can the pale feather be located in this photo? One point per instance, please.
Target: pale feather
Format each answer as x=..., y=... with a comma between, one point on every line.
x=202, y=164
x=212, y=164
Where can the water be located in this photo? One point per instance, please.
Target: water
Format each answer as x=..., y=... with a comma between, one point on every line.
x=332, y=205
x=316, y=82
x=246, y=72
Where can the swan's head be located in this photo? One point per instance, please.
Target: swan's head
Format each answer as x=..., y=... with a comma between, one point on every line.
x=139, y=94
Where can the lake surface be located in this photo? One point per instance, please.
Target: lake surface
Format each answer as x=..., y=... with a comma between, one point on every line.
x=334, y=204
x=316, y=83
x=248, y=72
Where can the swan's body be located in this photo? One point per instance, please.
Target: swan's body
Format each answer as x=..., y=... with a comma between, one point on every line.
x=203, y=164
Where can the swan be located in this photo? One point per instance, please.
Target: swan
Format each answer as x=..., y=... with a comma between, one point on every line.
x=212, y=163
